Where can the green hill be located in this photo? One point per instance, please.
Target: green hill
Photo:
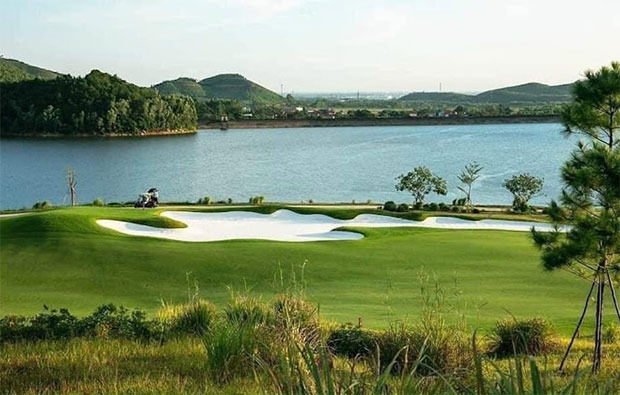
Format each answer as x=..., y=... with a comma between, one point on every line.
x=222, y=86
x=530, y=93
x=12, y=70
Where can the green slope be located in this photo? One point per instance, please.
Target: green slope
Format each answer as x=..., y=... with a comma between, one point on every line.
x=530, y=93
x=222, y=86
x=12, y=70
x=63, y=259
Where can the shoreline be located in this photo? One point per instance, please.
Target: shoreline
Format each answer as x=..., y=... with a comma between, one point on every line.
x=304, y=123
x=152, y=133
x=430, y=121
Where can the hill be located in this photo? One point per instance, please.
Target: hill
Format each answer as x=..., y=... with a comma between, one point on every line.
x=530, y=93
x=97, y=104
x=222, y=86
x=12, y=70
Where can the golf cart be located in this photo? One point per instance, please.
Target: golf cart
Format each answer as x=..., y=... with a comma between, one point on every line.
x=148, y=199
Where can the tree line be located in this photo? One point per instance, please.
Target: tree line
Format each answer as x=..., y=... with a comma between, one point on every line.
x=97, y=104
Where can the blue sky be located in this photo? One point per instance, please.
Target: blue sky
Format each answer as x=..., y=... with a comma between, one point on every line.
x=317, y=45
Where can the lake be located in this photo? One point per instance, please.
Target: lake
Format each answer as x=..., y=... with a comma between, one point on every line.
x=286, y=165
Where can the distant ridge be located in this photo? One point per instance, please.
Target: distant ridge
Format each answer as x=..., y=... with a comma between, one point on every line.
x=532, y=92
x=221, y=86
x=12, y=70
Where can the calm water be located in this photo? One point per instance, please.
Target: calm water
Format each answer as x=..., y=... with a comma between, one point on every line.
x=323, y=164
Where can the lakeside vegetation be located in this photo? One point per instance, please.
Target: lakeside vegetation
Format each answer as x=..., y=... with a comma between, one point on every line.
x=98, y=104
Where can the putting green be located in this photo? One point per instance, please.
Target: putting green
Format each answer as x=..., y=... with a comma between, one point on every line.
x=61, y=258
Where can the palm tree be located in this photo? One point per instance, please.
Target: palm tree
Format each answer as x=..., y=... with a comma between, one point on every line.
x=470, y=174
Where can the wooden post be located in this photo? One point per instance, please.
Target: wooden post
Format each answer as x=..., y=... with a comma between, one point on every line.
x=583, y=314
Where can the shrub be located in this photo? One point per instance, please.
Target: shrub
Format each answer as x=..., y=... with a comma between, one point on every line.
x=230, y=351
x=455, y=209
x=443, y=207
x=418, y=206
x=389, y=206
x=611, y=334
x=246, y=310
x=476, y=211
x=107, y=321
x=195, y=317
x=532, y=337
x=42, y=205
x=205, y=200
x=256, y=199
x=98, y=202
x=351, y=341
x=110, y=321
x=402, y=208
x=433, y=207
x=430, y=347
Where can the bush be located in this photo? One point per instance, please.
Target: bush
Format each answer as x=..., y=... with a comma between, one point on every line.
x=455, y=209
x=532, y=337
x=611, y=333
x=418, y=206
x=436, y=346
x=256, y=200
x=108, y=321
x=98, y=202
x=389, y=206
x=476, y=211
x=195, y=317
x=352, y=342
x=402, y=208
x=42, y=205
x=433, y=207
x=443, y=207
x=205, y=200
x=230, y=351
x=246, y=310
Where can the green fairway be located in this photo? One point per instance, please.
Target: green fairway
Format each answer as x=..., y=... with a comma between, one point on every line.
x=61, y=258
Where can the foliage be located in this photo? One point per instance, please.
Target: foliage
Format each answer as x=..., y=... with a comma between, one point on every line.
x=468, y=177
x=595, y=107
x=195, y=317
x=256, y=200
x=402, y=208
x=389, y=206
x=205, y=200
x=523, y=188
x=12, y=70
x=532, y=337
x=591, y=196
x=107, y=321
x=420, y=182
x=98, y=202
x=352, y=341
x=95, y=104
x=42, y=205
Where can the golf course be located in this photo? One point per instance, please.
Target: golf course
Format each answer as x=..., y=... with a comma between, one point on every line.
x=62, y=258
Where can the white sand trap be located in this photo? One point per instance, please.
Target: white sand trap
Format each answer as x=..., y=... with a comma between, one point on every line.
x=285, y=225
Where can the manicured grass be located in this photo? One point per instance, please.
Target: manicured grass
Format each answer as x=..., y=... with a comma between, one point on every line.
x=61, y=258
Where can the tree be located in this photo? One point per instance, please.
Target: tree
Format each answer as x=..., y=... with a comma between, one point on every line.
x=468, y=177
x=420, y=182
x=523, y=188
x=590, y=200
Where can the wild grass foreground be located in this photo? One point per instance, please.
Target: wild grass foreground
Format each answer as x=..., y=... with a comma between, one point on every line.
x=284, y=346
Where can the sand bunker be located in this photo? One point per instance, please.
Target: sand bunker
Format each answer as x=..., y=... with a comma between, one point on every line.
x=285, y=225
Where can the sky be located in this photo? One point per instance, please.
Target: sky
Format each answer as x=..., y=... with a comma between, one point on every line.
x=319, y=45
